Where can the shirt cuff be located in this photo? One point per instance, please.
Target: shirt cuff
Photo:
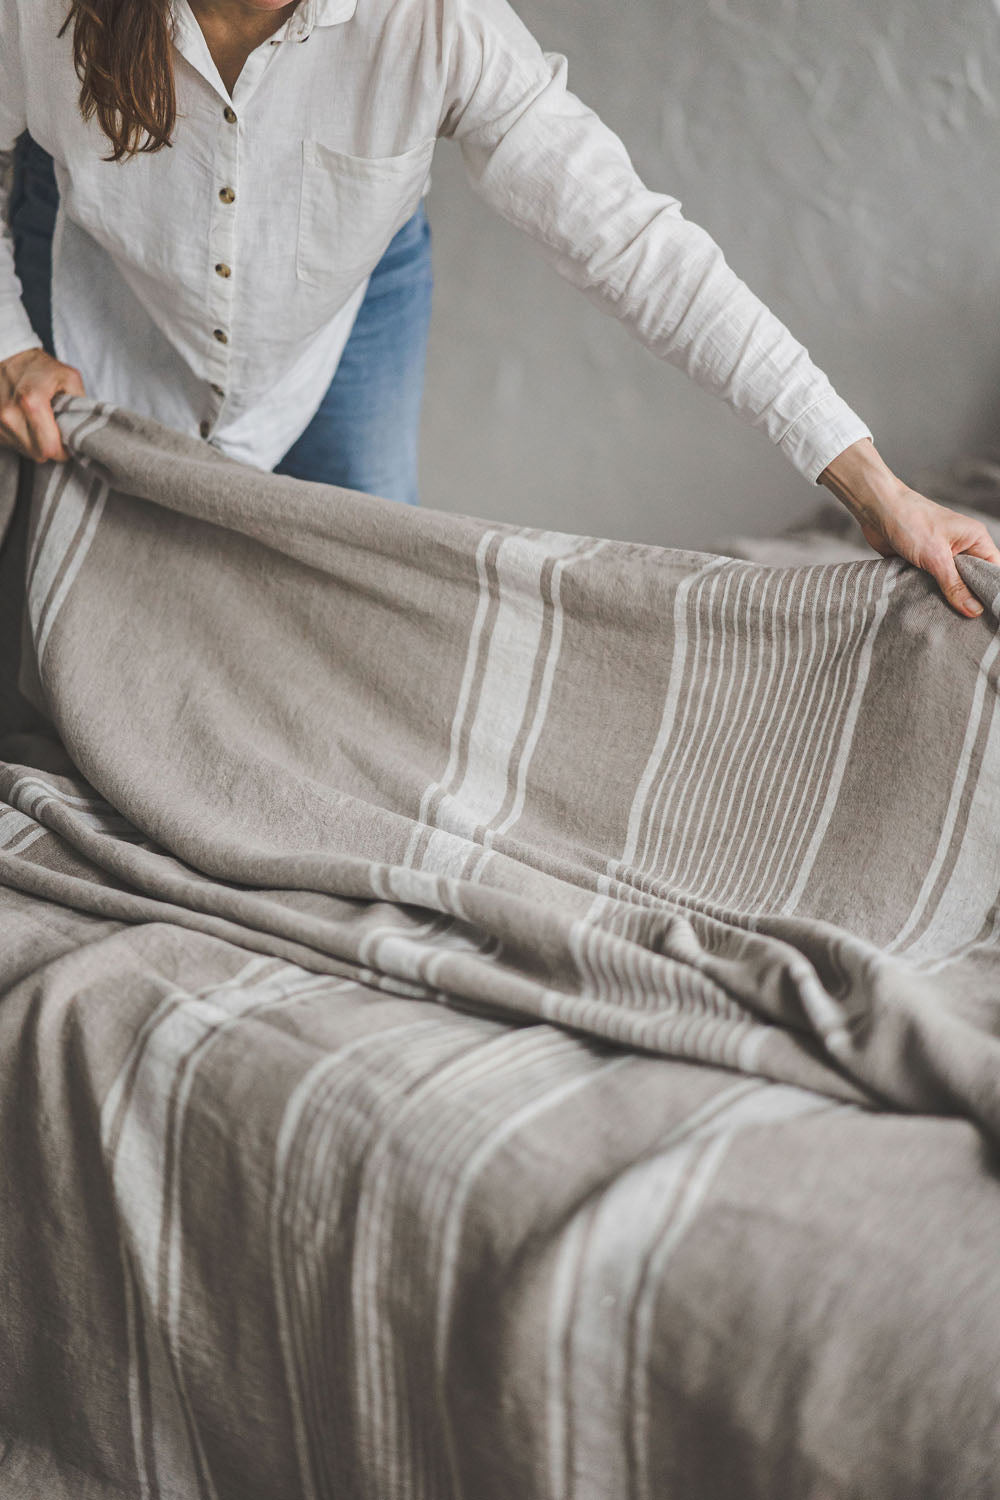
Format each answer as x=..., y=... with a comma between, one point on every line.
x=16, y=332
x=822, y=431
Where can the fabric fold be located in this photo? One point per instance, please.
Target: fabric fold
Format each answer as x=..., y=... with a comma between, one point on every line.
x=670, y=800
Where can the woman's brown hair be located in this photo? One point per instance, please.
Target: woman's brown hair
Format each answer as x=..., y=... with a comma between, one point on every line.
x=121, y=49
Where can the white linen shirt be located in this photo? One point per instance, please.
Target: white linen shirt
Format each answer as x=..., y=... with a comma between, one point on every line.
x=212, y=285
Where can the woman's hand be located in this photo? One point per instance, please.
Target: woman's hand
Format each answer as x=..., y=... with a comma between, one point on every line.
x=900, y=522
x=28, y=381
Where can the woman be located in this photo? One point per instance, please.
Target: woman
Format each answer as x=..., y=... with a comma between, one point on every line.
x=267, y=162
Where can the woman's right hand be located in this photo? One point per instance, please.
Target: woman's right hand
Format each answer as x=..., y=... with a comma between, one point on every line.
x=28, y=381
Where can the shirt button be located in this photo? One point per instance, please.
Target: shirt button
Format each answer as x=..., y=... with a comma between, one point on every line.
x=229, y=115
x=227, y=195
x=223, y=270
x=218, y=390
x=218, y=333
x=205, y=429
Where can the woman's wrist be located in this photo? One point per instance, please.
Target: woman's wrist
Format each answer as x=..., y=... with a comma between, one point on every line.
x=862, y=480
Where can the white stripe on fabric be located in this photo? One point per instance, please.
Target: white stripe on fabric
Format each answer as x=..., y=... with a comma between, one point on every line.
x=334, y=1127
x=460, y=1190
x=507, y=677
x=814, y=735
x=758, y=776
x=446, y=854
x=772, y=754
x=834, y=781
x=590, y=1337
x=18, y=832
x=32, y=794
x=441, y=1123
x=967, y=916
x=819, y=716
x=962, y=770
x=696, y=745
x=668, y=720
x=60, y=512
x=95, y=510
x=560, y=1314
x=726, y=742
x=464, y=693
x=627, y=1249
x=722, y=787
x=296, y=1285
x=545, y=693
x=60, y=475
x=773, y=1104
x=751, y=732
x=136, y=1165
x=69, y=513
x=134, y=1121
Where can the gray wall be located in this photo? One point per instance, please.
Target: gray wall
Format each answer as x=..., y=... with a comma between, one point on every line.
x=845, y=155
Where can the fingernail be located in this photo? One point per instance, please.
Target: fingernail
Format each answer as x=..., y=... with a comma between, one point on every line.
x=973, y=605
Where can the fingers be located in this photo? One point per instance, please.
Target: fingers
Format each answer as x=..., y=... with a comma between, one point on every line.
x=44, y=438
x=29, y=427
x=973, y=540
x=14, y=428
x=940, y=563
x=28, y=382
x=983, y=546
x=72, y=382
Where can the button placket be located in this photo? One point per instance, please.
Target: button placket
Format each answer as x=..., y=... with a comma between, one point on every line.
x=221, y=290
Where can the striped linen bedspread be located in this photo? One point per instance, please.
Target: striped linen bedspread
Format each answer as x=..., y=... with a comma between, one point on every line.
x=485, y=1014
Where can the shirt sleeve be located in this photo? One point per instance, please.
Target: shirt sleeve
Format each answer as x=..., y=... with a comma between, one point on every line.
x=548, y=164
x=16, y=332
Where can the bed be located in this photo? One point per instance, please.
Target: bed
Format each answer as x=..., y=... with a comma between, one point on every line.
x=485, y=1012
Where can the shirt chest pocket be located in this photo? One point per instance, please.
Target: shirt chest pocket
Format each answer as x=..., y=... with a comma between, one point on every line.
x=350, y=208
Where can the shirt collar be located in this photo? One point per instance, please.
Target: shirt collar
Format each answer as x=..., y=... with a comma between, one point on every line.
x=312, y=13
x=301, y=23
x=331, y=12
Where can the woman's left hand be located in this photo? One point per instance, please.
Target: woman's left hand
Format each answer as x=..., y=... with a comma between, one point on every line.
x=900, y=522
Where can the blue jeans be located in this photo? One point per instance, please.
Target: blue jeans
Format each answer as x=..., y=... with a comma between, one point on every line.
x=365, y=434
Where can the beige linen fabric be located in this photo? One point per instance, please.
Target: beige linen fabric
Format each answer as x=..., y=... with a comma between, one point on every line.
x=485, y=1011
